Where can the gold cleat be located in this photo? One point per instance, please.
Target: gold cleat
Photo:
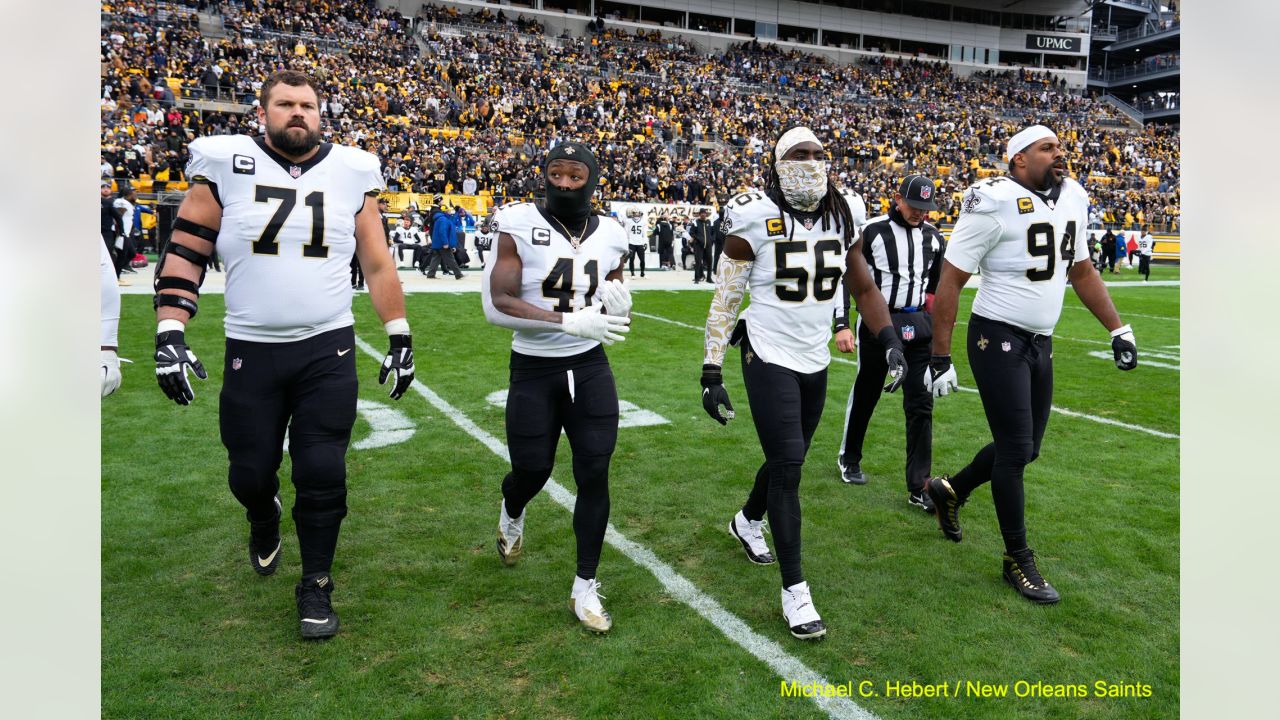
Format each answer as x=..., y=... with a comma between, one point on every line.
x=586, y=605
x=507, y=550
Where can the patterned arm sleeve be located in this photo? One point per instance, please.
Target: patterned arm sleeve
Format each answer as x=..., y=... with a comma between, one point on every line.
x=731, y=285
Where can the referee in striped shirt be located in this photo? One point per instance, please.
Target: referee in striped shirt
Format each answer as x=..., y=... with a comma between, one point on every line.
x=904, y=253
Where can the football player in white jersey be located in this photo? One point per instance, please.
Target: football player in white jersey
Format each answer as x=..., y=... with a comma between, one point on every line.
x=557, y=281
x=110, y=318
x=1026, y=233
x=634, y=225
x=286, y=212
x=788, y=246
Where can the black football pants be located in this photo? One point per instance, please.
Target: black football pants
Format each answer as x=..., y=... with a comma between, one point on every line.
x=786, y=407
x=578, y=395
x=1014, y=372
x=917, y=405
x=636, y=250
x=308, y=386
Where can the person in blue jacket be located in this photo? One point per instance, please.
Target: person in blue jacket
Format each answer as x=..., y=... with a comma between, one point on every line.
x=443, y=240
x=1121, y=249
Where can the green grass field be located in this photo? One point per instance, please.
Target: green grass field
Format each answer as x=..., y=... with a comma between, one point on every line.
x=434, y=626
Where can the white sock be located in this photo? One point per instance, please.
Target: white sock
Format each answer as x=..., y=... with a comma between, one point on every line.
x=798, y=587
x=580, y=585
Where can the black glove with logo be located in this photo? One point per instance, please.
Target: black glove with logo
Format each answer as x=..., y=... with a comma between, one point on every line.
x=1124, y=347
x=399, y=360
x=714, y=395
x=893, y=356
x=173, y=360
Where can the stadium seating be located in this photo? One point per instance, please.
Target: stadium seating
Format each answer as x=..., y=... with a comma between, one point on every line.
x=481, y=95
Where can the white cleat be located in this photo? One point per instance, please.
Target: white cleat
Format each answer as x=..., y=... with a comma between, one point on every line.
x=584, y=601
x=802, y=618
x=751, y=534
x=510, y=536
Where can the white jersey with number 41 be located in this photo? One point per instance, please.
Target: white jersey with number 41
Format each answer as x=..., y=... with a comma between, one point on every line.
x=557, y=277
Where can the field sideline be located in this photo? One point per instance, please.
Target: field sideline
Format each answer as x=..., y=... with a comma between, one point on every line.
x=434, y=626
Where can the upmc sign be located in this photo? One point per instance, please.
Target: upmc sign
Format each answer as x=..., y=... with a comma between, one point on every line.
x=1051, y=43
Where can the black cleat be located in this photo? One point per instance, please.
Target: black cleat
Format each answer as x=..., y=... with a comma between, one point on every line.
x=946, y=505
x=315, y=612
x=264, y=543
x=851, y=474
x=921, y=499
x=1021, y=572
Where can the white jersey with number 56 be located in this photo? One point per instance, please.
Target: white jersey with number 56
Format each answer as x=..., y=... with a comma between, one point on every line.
x=1023, y=242
x=557, y=277
x=288, y=233
x=793, y=284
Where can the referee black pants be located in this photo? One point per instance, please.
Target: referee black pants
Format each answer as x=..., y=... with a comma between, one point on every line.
x=308, y=386
x=576, y=394
x=1014, y=372
x=786, y=407
x=917, y=405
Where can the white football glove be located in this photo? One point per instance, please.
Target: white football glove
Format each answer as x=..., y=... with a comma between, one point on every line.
x=940, y=377
x=616, y=298
x=589, y=323
x=111, y=377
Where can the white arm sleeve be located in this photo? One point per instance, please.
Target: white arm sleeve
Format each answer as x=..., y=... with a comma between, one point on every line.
x=110, y=297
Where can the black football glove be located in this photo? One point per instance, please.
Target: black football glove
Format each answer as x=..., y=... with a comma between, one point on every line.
x=894, y=357
x=940, y=378
x=714, y=395
x=1124, y=347
x=399, y=360
x=173, y=359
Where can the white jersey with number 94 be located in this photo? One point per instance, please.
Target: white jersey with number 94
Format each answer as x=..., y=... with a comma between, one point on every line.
x=1023, y=242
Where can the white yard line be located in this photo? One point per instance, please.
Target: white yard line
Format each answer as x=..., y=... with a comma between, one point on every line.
x=771, y=653
x=1124, y=315
x=1056, y=408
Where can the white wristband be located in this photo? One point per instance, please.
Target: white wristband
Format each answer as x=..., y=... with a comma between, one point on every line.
x=1121, y=330
x=170, y=324
x=399, y=326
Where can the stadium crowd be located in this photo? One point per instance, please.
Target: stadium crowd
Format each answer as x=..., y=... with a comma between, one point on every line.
x=470, y=103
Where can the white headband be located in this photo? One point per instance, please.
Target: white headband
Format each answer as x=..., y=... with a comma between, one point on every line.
x=1023, y=140
x=792, y=138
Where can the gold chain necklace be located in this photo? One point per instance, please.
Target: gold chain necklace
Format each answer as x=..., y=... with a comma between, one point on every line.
x=574, y=240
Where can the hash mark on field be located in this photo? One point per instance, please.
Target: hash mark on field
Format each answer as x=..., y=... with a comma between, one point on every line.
x=771, y=653
x=1056, y=408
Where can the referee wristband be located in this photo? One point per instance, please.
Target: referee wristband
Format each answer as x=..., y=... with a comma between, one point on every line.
x=399, y=326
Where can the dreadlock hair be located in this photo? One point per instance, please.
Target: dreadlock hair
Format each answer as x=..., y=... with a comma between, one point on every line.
x=833, y=208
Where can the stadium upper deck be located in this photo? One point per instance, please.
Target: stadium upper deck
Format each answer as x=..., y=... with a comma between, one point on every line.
x=450, y=98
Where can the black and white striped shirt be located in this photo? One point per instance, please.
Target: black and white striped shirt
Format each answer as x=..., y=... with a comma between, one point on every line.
x=905, y=262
